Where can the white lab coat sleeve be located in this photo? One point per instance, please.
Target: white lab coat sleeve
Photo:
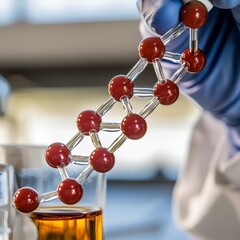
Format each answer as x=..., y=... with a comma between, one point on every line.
x=206, y=198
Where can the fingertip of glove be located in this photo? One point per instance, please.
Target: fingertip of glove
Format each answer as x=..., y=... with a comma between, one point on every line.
x=167, y=16
x=225, y=4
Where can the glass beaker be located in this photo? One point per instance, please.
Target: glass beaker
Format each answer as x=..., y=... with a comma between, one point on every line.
x=54, y=219
x=6, y=193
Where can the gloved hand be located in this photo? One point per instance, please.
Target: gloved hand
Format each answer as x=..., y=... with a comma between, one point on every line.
x=217, y=87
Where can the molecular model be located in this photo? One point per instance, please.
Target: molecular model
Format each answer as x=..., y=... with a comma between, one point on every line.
x=121, y=88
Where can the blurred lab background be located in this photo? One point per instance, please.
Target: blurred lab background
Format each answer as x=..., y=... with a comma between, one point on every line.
x=56, y=59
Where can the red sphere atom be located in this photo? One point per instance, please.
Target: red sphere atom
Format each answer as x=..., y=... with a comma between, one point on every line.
x=70, y=191
x=26, y=199
x=167, y=92
x=134, y=126
x=88, y=121
x=57, y=155
x=120, y=86
x=102, y=160
x=151, y=48
x=195, y=60
x=194, y=14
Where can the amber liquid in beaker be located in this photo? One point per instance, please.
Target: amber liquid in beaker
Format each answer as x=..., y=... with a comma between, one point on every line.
x=68, y=223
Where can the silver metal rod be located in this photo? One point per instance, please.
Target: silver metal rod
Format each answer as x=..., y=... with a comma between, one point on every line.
x=79, y=160
x=75, y=141
x=63, y=172
x=126, y=105
x=110, y=127
x=117, y=143
x=143, y=92
x=84, y=174
x=158, y=70
x=173, y=32
x=179, y=74
x=172, y=57
x=137, y=69
x=149, y=108
x=193, y=40
x=105, y=107
x=45, y=197
x=95, y=139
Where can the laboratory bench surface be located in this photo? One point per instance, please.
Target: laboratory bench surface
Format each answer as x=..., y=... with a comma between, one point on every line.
x=140, y=210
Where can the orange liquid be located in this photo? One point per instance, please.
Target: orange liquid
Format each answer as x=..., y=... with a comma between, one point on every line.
x=68, y=223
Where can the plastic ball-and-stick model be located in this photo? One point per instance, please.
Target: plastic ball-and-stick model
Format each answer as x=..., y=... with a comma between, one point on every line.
x=121, y=88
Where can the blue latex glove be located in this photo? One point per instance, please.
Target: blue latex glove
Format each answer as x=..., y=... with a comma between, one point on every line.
x=217, y=87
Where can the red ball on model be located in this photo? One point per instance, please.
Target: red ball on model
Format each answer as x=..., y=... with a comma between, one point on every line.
x=194, y=14
x=102, y=160
x=134, y=126
x=167, y=92
x=120, y=86
x=151, y=48
x=195, y=60
x=26, y=199
x=88, y=121
x=57, y=155
x=70, y=191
